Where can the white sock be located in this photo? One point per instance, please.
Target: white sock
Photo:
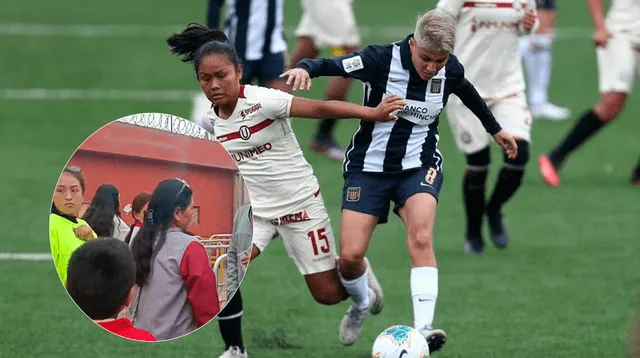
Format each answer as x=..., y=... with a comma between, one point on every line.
x=424, y=293
x=540, y=73
x=358, y=290
x=201, y=106
x=530, y=64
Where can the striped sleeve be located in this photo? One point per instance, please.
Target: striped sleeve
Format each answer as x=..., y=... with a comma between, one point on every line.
x=361, y=65
x=200, y=283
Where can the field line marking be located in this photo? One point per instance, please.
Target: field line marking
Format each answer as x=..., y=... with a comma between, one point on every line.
x=158, y=31
x=24, y=256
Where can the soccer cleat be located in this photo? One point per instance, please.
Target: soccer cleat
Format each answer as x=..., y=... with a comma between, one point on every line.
x=550, y=111
x=377, y=303
x=234, y=352
x=351, y=325
x=436, y=338
x=474, y=246
x=499, y=233
x=329, y=149
x=548, y=171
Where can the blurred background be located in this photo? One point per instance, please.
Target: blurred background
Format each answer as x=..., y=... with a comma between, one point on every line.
x=566, y=287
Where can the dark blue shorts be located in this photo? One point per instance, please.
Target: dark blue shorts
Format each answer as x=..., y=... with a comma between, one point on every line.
x=267, y=69
x=372, y=193
x=546, y=4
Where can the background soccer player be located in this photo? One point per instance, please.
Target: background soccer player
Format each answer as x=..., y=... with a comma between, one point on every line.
x=255, y=28
x=253, y=124
x=400, y=161
x=536, y=52
x=617, y=40
x=487, y=44
x=327, y=23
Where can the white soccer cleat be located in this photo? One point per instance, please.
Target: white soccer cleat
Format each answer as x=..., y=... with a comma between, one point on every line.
x=377, y=301
x=351, y=325
x=234, y=352
x=550, y=111
x=436, y=338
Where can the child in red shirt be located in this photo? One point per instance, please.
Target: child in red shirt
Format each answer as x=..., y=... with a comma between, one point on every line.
x=100, y=279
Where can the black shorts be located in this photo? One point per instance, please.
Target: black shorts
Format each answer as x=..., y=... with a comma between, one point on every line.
x=372, y=193
x=546, y=4
x=265, y=70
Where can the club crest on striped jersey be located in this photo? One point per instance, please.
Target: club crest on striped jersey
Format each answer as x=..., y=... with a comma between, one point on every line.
x=250, y=110
x=436, y=85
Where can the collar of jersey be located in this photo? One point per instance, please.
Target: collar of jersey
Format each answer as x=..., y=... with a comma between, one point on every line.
x=405, y=54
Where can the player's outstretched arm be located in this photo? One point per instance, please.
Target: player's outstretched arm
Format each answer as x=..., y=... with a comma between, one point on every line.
x=308, y=108
x=359, y=65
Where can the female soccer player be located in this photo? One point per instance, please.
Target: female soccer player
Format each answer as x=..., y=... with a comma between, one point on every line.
x=253, y=124
x=400, y=161
x=489, y=48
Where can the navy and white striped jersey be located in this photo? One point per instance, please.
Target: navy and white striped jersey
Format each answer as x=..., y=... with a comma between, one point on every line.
x=255, y=27
x=411, y=142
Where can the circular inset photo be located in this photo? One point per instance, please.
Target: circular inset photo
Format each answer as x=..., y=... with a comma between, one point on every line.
x=151, y=227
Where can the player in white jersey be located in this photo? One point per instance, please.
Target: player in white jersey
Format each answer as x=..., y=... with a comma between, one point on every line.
x=487, y=42
x=327, y=23
x=617, y=40
x=536, y=53
x=253, y=124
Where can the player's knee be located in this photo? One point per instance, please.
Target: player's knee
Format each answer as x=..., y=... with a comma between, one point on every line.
x=610, y=106
x=350, y=263
x=479, y=161
x=421, y=239
x=521, y=160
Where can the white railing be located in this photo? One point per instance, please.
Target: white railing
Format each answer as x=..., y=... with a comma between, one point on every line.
x=217, y=247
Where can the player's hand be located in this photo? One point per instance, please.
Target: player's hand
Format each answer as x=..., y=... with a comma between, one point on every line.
x=244, y=260
x=384, y=111
x=601, y=37
x=508, y=143
x=298, y=78
x=84, y=232
x=529, y=20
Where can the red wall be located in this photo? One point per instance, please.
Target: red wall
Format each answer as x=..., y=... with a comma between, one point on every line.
x=136, y=159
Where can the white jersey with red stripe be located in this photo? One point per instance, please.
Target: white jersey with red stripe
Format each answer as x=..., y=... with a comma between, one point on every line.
x=623, y=18
x=487, y=36
x=259, y=137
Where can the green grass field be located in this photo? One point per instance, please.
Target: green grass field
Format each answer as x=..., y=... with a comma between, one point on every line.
x=567, y=286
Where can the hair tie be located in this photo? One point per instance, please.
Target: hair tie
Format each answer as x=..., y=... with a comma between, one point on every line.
x=150, y=216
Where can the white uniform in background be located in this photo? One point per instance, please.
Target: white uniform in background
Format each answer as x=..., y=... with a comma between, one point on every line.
x=619, y=61
x=487, y=45
x=329, y=23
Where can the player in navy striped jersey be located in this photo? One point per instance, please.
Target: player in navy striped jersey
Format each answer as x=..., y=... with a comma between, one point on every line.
x=400, y=161
x=255, y=28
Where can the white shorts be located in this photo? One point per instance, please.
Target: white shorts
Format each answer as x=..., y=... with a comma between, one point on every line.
x=329, y=23
x=511, y=112
x=307, y=236
x=618, y=65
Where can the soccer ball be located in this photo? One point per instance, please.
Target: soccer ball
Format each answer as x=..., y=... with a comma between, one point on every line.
x=400, y=342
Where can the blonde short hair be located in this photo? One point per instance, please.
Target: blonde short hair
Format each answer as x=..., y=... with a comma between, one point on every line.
x=436, y=31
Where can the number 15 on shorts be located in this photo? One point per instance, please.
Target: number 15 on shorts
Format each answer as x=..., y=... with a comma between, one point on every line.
x=319, y=241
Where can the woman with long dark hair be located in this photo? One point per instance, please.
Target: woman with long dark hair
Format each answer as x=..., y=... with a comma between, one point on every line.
x=139, y=207
x=67, y=232
x=177, y=291
x=103, y=214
